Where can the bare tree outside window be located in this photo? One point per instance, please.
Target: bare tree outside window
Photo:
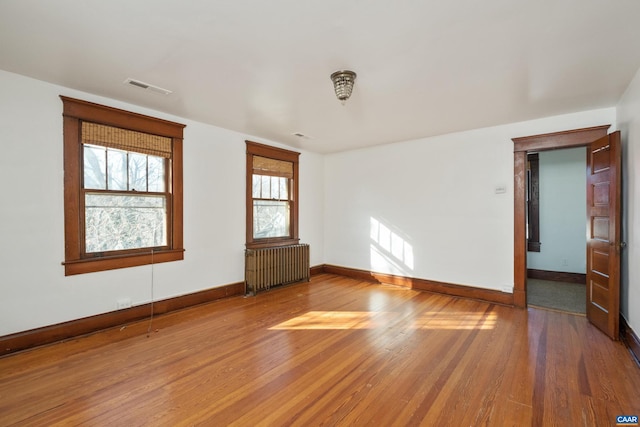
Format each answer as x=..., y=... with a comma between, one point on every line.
x=127, y=213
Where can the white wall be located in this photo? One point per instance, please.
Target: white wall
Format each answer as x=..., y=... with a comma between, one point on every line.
x=428, y=208
x=628, y=116
x=33, y=289
x=425, y=208
x=563, y=209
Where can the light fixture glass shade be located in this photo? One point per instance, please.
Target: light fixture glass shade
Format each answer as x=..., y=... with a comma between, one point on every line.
x=343, y=84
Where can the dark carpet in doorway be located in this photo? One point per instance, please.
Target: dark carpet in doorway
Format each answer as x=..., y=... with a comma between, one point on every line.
x=557, y=295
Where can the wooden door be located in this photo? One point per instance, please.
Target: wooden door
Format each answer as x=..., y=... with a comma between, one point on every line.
x=603, y=233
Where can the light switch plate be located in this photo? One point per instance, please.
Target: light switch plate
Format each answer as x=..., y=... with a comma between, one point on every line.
x=501, y=189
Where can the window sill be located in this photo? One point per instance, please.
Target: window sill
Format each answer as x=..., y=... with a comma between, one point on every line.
x=91, y=265
x=272, y=243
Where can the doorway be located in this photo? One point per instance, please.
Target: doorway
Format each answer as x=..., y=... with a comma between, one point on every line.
x=523, y=146
x=556, y=240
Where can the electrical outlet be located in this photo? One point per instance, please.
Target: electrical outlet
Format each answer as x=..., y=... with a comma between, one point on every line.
x=123, y=303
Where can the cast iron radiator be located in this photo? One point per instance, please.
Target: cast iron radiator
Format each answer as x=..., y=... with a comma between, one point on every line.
x=268, y=267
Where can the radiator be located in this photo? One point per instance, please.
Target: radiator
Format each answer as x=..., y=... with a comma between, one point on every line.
x=268, y=267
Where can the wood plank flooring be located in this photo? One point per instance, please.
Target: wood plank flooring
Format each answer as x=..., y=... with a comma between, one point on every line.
x=335, y=351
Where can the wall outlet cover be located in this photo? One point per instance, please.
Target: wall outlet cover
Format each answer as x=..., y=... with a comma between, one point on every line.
x=123, y=303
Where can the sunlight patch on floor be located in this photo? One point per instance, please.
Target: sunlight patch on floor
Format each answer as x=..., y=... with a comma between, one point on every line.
x=457, y=320
x=370, y=320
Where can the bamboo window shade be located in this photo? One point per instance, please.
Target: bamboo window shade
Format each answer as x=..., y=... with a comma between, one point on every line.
x=273, y=167
x=124, y=139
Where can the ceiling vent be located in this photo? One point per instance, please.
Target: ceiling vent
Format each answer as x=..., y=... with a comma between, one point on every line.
x=147, y=86
x=301, y=135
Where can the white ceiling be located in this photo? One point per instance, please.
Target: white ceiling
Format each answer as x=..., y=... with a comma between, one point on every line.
x=425, y=67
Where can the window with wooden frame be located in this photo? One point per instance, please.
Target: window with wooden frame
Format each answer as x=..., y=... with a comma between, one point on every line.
x=533, y=203
x=122, y=188
x=272, y=196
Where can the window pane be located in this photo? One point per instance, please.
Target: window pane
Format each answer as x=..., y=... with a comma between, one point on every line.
x=275, y=187
x=257, y=180
x=137, y=172
x=270, y=219
x=117, y=168
x=94, y=167
x=284, y=188
x=266, y=187
x=117, y=222
x=156, y=174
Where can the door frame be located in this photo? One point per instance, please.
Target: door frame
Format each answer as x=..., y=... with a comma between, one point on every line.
x=521, y=147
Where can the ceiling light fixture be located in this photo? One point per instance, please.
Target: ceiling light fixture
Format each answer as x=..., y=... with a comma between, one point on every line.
x=343, y=84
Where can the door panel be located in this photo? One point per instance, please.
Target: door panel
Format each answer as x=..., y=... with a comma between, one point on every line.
x=601, y=194
x=600, y=263
x=600, y=228
x=603, y=237
x=600, y=295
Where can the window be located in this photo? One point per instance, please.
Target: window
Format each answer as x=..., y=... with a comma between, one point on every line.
x=533, y=203
x=123, y=188
x=272, y=196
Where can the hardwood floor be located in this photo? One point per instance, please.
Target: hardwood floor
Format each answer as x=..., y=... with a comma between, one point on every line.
x=335, y=351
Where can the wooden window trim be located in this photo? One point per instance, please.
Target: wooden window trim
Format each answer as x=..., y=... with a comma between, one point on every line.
x=74, y=112
x=262, y=150
x=533, y=204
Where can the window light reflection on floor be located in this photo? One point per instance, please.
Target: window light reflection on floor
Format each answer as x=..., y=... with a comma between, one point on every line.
x=370, y=320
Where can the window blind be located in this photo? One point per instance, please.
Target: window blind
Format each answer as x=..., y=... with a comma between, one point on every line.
x=124, y=139
x=267, y=166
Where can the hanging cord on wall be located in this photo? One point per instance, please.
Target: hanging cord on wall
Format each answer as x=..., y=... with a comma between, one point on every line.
x=151, y=316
